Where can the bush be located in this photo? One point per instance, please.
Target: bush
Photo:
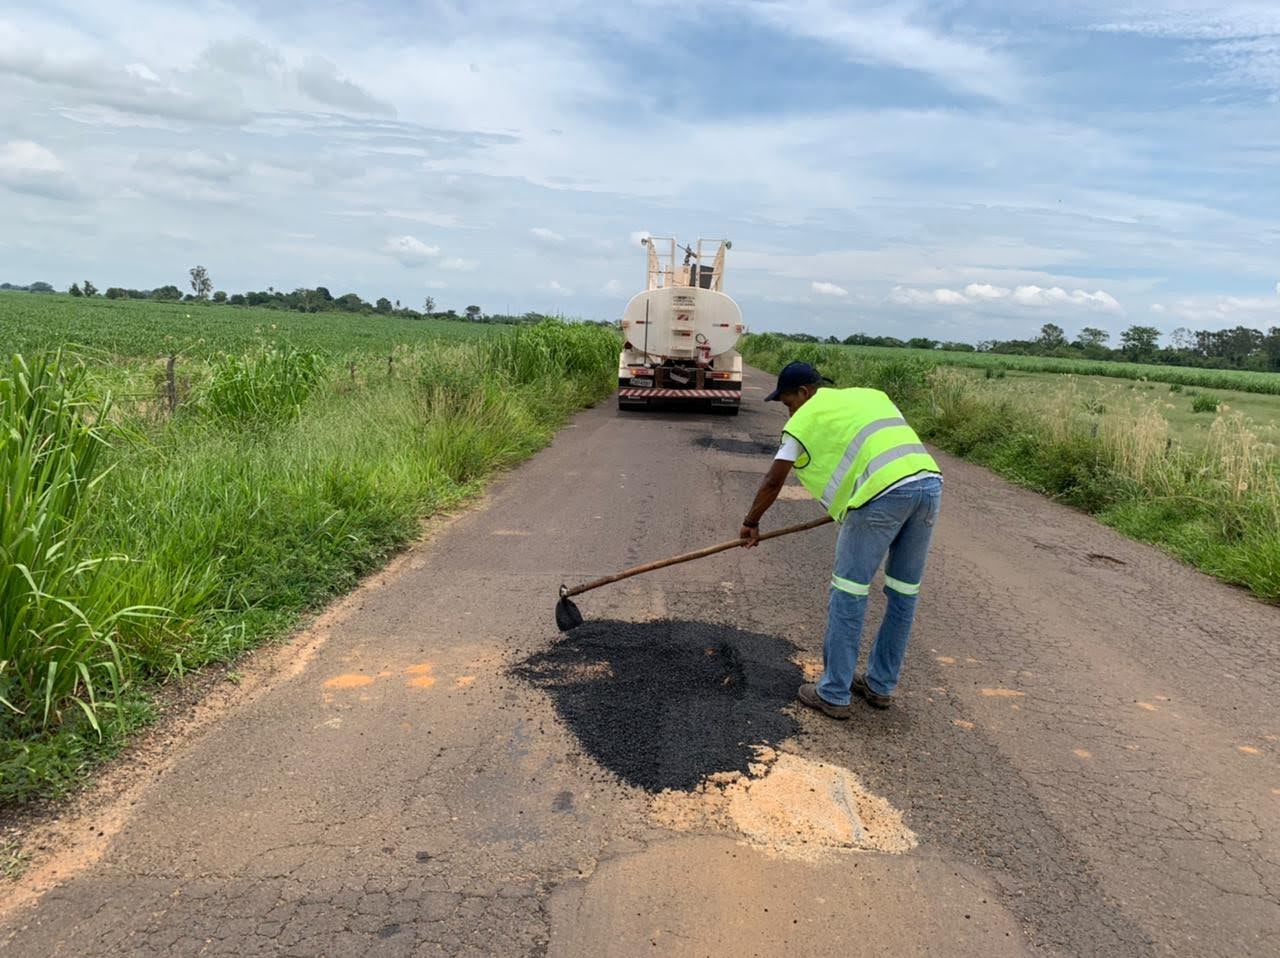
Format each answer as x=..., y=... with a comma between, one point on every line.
x=265, y=386
x=1204, y=402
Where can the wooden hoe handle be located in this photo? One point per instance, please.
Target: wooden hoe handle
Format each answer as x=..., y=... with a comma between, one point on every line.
x=687, y=557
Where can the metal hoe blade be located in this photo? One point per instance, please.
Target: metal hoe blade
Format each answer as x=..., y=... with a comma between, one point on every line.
x=567, y=614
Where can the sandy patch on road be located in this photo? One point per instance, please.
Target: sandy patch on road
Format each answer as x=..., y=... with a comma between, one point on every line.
x=789, y=806
x=1003, y=693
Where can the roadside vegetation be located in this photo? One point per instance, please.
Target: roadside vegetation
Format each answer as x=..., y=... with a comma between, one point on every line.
x=1239, y=349
x=1243, y=380
x=1210, y=495
x=141, y=542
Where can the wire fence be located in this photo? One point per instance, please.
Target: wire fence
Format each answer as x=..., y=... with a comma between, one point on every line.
x=171, y=391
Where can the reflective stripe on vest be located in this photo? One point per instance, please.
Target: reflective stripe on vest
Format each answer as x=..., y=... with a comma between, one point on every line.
x=897, y=585
x=851, y=453
x=892, y=455
x=848, y=585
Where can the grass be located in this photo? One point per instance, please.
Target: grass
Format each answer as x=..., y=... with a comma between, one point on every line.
x=1209, y=494
x=1175, y=403
x=12, y=861
x=1234, y=379
x=286, y=474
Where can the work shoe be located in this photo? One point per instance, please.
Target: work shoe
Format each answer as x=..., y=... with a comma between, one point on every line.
x=874, y=699
x=808, y=694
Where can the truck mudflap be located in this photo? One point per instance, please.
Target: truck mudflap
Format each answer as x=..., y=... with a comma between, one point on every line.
x=642, y=392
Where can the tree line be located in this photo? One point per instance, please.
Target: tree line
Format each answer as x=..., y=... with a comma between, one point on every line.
x=1237, y=348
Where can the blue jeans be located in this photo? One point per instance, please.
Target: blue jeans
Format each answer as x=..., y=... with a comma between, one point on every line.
x=899, y=524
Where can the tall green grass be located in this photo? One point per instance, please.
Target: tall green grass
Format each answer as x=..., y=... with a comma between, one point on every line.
x=232, y=532
x=61, y=604
x=1216, y=504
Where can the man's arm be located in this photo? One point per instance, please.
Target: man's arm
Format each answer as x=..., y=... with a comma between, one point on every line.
x=770, y=486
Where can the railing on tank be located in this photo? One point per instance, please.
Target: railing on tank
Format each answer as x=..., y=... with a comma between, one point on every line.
x=663, y=271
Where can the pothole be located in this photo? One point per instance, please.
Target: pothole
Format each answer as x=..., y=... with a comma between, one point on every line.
x=789, y=806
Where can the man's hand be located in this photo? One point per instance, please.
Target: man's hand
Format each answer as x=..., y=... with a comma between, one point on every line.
x=770, y=486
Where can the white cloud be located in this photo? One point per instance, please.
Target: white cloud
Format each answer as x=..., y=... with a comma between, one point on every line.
x=409, y=250
x=544, y=235
x=319, y=79
x=1057, y=296
x=554, y=286
x=1157, y=307
x=985, y=291
x=828, y=289
x=98, y=81
x=27, y=167
x=142, y=72
x=1259, y=312
x=443, y=220
x=459, y=265
x=24, y=156
x=1239, y=39
x=896, y=36
x=978, y=294
x=198, y=164
x=613, y=288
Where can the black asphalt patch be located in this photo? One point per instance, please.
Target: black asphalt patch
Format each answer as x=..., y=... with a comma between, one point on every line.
x=664, y=704
x=741, y=447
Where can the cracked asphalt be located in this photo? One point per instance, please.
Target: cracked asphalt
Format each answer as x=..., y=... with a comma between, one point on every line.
x=1085, y=743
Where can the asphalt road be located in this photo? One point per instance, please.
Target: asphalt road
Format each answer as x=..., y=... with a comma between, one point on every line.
x=1084, y=744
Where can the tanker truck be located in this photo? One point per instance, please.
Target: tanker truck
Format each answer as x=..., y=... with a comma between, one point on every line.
x=680, y=332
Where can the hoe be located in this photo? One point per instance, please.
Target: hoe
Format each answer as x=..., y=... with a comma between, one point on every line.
x=567, y=614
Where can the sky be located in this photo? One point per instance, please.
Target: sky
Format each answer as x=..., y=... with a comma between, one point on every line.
x=956, y=170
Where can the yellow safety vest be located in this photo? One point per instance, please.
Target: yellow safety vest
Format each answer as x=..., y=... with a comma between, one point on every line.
x=856, y=446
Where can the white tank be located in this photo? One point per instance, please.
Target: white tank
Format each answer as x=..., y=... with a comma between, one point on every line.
x=678, y=321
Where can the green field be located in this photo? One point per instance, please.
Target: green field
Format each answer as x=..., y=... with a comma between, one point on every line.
x=141, y=542
x=129, y=328
x=1238, y=380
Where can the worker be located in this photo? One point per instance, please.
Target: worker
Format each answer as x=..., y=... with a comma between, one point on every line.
x=852, y=449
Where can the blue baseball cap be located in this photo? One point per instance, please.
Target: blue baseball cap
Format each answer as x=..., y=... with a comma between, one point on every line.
x=793, y=376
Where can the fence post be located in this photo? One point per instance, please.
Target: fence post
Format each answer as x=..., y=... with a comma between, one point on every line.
x=352, y=367
x=390, y=360
x=170, y=383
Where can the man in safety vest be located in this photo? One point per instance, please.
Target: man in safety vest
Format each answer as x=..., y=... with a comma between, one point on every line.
x=855, y=453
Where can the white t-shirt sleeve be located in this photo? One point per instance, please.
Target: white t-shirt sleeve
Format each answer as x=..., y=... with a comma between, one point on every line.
x=791, y=449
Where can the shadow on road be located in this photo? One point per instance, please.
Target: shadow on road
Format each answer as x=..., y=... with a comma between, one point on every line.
x=664, y=704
